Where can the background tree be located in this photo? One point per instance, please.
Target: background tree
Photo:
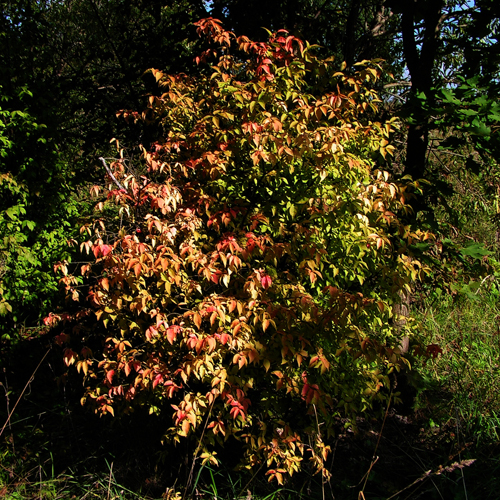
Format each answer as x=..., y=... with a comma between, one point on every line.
x=442, y=41
x=66, y=68
x=349, y=30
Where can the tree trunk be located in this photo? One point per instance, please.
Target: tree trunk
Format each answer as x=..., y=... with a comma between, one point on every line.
x=421, y=66
x=401, y=314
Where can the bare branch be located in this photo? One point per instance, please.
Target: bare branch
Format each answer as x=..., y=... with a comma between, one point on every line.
x=108, y=170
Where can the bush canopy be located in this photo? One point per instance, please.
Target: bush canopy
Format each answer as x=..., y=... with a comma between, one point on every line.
x=245, y=268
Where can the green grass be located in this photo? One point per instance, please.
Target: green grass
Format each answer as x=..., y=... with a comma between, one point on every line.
x=466, y=376
x=217, y=484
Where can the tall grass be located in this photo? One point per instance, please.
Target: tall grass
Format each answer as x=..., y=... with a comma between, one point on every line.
x=466, y=375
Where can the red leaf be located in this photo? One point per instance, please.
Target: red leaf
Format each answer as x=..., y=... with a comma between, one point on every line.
x=106, y=249
x=157, y=380
x=61, y=338
x=266, y=281
x=434, y=350
x=172, y=332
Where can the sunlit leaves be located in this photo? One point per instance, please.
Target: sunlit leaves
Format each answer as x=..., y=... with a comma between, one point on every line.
x=250, y=265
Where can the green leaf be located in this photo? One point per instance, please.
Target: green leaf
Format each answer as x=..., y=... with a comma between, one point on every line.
x=480, y=128
x=449, y=96
x=476, y=251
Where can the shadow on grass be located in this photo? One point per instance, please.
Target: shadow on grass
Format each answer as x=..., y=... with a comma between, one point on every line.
x=445, y=448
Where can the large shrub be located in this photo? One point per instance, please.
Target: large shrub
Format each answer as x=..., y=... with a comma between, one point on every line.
x=246, y=267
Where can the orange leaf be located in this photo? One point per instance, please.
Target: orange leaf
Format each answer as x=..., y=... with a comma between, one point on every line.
x=213, y=318
x=253, y=355
x=197, y=319
x=137, y=269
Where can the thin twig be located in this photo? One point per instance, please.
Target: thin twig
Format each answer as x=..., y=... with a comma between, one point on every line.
x=7, y=402
x=109, y=481
x=198, y=449
x=397, y=84
x=457, y=418
x=24, y=390
x=429, y=474
x=374, y=457
x=419, y=462
x=319, y=435
x=250, y=481
x=421, y=478
x=489, y=277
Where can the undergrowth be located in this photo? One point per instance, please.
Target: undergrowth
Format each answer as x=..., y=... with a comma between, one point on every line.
x=466, y=375
x=445, y=447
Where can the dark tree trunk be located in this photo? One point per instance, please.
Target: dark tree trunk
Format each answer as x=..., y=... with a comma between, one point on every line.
x=350, y=33
x=428, y=16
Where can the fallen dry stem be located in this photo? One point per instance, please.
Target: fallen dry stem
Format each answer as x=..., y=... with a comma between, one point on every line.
x=440, y=470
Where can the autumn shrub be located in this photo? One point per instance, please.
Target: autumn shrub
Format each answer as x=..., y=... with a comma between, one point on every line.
x=244, y=269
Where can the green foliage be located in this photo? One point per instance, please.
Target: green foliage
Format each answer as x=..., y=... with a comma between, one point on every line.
x=34, y=221
x=470, y=111
x=245, y=272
